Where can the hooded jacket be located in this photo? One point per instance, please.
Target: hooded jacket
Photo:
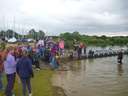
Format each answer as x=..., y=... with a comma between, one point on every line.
x=24, y=67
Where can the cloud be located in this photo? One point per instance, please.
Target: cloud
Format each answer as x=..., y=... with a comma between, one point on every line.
x=58, y=16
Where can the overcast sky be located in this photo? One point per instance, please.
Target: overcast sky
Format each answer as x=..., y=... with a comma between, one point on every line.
x=96, y=17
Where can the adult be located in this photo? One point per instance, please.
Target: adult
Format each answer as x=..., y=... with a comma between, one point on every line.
x=2, y=56
x=10, y=70
x=61, y=46
x=120, y=57
x=36, y=58
x=25, y=72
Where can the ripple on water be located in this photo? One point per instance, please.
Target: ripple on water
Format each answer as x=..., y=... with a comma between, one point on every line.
x=99, y=77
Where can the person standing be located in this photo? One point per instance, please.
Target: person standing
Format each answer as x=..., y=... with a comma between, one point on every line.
x=61, y=46
x=25, y=72
x=10, y=70
x=120, y=57
x=1, y=68
x=36, y=57
x=79, y=51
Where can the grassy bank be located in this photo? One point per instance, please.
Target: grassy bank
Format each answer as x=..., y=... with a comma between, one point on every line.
x=41, y=84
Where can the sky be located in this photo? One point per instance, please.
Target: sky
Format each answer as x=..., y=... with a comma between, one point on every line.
x=90, y=17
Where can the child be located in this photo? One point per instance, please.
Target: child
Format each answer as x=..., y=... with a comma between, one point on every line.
x=54, y=61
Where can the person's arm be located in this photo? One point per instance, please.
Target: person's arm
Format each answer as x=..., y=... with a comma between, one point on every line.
x=17, y=67
x=30, y=67
x=17, y=72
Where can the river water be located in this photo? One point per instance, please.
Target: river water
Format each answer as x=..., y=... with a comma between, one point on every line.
x=94, y=77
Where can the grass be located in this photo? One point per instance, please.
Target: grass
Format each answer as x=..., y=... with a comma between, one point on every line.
x=41, y=84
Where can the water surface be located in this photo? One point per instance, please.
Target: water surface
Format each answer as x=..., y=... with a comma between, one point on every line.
x=94, y=77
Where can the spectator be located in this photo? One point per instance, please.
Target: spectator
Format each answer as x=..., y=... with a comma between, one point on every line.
x=10, y=70
x=25, y=72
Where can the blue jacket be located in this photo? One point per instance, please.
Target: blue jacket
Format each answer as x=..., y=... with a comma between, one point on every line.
x=24, y=67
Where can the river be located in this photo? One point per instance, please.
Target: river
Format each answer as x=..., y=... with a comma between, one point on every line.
x=94, y=77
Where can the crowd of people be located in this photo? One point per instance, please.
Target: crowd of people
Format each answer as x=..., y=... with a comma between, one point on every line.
x=20, y=60
x=79, y=49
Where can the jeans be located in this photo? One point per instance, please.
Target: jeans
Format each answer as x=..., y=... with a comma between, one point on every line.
x=10, y=84
x=54, y=63
x=26, y=83
x=1, y=84
x=37, y=64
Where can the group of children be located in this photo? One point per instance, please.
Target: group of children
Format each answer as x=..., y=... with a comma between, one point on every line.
x=18, y=61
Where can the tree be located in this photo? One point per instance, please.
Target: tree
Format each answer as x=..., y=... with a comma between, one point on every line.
x=67, y=36
x=33, y=34
x=9, y=33
x=2, y=33
x=103, y=37
x=41, y=34
x=76, y=35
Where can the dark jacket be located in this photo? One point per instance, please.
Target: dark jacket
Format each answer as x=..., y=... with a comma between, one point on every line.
x=24, y=67
x=120, y=55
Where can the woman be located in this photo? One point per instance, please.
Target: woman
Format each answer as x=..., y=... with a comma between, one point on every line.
x=10, y=70
x=25, y=72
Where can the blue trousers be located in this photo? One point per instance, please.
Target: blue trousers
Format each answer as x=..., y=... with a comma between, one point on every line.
x=54, y=63
x=10, y=84
x=1, y=84
x=26, y=83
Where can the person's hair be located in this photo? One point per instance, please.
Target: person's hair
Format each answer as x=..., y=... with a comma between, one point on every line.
x=24, y=53
x=9, y=49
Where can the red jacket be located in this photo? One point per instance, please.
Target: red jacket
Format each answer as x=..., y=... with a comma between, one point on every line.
x=2, y=57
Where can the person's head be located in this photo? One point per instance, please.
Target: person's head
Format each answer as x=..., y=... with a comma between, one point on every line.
x=121, y=50
x=24, y=53
x=10, y=50
x=19, y=51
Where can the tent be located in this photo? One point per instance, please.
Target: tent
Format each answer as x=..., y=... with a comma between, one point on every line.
x=12, y=40
x=30, y=40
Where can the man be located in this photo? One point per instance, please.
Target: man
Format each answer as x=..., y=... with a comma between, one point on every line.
x=120, y=57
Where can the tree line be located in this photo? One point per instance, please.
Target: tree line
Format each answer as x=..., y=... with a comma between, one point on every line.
x=69, y=38
x=93, y=40
x=31, y=34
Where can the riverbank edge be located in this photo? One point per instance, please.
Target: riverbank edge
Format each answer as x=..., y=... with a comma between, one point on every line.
x=58, y=91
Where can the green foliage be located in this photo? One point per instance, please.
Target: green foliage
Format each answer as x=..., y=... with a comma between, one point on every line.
x=2, y=45
x=36, y=35
x=70, y=37
x=32, y=34
x=93, y=40
x=9, y=34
